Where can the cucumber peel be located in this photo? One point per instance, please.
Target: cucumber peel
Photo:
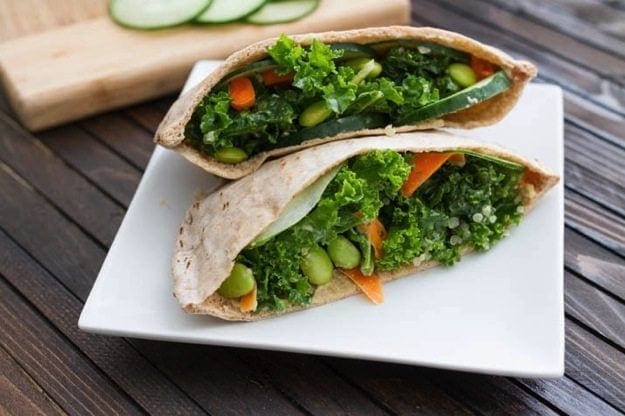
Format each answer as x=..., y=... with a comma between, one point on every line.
x=155, y=14
x=282, y=11
x=297, y=208
x=468, y=97
x=225, y=11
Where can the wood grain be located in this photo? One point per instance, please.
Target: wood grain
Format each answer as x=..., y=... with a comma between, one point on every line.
x=24, y=17
x=595, y=263
x=20, y=394
x=65, y=374
x=595, y=365
x=63, y=187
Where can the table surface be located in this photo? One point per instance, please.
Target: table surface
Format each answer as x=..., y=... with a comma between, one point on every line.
x=65, y=191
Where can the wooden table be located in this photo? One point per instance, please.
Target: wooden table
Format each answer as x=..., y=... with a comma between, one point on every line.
x=64, y=193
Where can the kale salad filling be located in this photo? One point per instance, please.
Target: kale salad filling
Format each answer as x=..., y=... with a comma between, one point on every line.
x=301, y=93
x=381, y=211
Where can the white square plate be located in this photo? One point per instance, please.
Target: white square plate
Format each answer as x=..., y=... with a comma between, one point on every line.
x=500, y=312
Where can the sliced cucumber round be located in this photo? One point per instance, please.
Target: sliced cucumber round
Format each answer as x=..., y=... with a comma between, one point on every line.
x=483, y=90
x=346, y=124
x=225, y=11
x=282, y=11
x=247, y=70
x=423, y=47
x=353, y=51
x=155, y=14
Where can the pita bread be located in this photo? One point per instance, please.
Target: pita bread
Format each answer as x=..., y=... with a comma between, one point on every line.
x=170, y=132
x=216, y=229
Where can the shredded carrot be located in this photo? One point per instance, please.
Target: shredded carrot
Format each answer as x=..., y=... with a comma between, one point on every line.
x=371, y=286
x=271, y=77
x=481, y=67
x=425, y=164
x=376, y=233
x=249, y=302
x=242, y=94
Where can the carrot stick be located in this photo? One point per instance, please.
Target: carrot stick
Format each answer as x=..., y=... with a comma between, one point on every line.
x=271, y=77
x=248, y=302
x=371, y=286
x=376, y=233
x=481, y=67
x=425, y=164
x=242, y=94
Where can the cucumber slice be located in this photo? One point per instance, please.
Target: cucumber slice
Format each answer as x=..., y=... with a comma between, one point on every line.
x=155, y=14
x=297, y=208
x=353, y=50
x=333, y=127
x=423, y=47
x=247, y=70
x=282, y=11
x=483, y=90
x=224, y=11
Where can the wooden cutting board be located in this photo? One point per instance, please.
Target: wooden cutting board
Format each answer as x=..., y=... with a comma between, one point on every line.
x=63, y=60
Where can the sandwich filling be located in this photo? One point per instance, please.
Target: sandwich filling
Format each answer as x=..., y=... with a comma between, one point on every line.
x=301, y=93
x=377, y=213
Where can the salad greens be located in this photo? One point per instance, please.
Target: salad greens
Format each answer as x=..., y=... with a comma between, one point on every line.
x=322, y=86
x=459, y=206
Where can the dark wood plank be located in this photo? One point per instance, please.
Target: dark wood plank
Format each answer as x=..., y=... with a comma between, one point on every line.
x=66, y=189
x=41, y=230
x=592, y=220
x=124, y=135
x=20, y=394
x=114, y=356
x=604, y=123
x=588, y=21
x=595, y=309
x=595, y=365
x=594, y=262
x=150, y=115
x=311, y=384
x=218, y=380
x=65, y=374
x=402, y=389
x=95, y=161
x=569, y=397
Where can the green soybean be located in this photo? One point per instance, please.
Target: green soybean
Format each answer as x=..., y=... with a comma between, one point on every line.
x=314, y=114
x=462, y=74
x=239, y=283
x=317, y=266
x=359, y=63
x=344, y=253
x=230, y=155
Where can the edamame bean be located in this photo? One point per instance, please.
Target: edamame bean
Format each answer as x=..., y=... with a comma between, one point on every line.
x=344, y=253
x=314, y=114
x=230, y=155
x=462, y=74
x=359, y=63
x=317, y=266
x=239, y=283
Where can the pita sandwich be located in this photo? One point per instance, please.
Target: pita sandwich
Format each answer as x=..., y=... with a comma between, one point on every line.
x=284, y=94
x=344, y=218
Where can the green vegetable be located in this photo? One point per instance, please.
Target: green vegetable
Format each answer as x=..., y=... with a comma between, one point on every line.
x=316, y=265
x=314, y=114
x=463, y=74
x=230, y=155
x=282, y=11
x=344, y=253
x=225, y=11
x=155, y=14
x=337, y=89
x=239, y=283
x=459, y=206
